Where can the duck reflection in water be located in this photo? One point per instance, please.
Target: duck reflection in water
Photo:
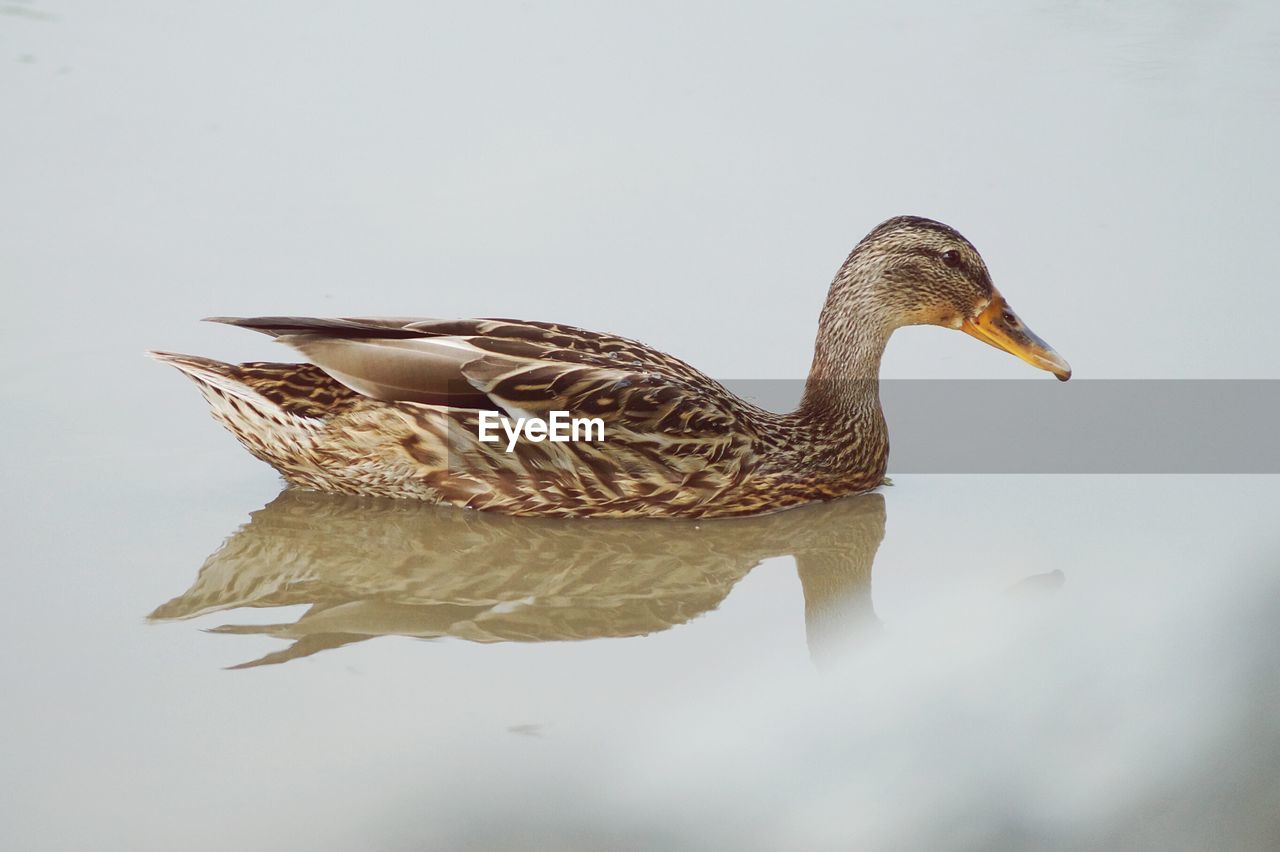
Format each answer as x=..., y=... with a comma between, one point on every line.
x=372, y=567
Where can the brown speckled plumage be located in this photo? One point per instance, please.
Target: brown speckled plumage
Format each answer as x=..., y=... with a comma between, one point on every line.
x=391, y=406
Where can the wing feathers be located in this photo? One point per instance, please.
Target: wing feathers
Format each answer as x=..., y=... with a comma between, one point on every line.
x=517, y=366
x=392, y=327
x=427, y=370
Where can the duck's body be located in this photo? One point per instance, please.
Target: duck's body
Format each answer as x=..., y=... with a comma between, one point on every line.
x=393, y=407
x=676, y=443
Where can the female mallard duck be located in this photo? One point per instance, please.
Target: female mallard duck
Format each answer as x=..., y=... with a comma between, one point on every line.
x=393, y=407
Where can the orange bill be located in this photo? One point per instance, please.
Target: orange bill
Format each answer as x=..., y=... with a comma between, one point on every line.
x=999, y=326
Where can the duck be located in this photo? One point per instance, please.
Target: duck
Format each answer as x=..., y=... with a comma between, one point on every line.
x=398, y=407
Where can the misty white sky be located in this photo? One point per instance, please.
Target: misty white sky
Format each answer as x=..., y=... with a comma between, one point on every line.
x=689, y=174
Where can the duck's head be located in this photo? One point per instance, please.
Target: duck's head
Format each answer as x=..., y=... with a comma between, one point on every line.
x=915, y=271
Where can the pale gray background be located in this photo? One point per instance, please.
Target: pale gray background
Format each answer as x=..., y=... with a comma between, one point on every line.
x=689, y=174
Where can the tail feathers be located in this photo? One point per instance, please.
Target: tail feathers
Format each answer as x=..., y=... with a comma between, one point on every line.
x=247, y=400
x=214, y=374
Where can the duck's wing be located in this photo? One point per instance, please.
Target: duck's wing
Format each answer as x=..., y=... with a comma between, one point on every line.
x=338, y=326
x=518, y=366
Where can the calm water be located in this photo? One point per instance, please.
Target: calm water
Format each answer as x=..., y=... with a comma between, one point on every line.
x=198, y=660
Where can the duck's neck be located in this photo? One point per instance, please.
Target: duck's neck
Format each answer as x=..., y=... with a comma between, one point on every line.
x=840, y=411
x=844, y=379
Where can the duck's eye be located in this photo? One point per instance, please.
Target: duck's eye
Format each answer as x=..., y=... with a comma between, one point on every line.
x=951, y=258
x=1008, y=317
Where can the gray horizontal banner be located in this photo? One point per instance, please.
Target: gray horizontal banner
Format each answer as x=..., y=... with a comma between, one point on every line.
x=1081, y=426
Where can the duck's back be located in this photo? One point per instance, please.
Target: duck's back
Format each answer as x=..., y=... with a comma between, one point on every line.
x=401, y=407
